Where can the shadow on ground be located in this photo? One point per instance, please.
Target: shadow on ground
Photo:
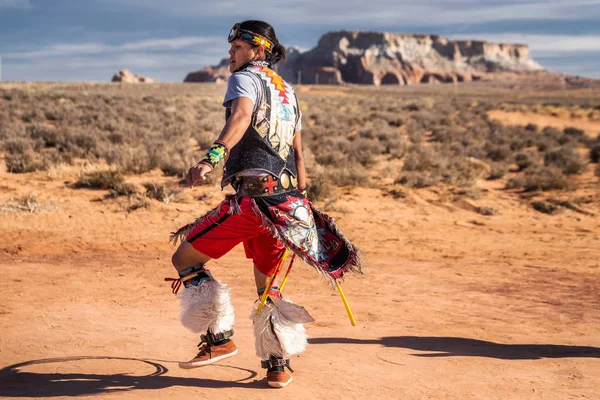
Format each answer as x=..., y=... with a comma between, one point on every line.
x=456, y=347
x=16, y=383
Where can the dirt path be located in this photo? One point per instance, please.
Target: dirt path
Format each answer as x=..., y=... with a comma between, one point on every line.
x=453, y=304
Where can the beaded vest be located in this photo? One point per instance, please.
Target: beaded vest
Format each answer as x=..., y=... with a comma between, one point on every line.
x=267, y=144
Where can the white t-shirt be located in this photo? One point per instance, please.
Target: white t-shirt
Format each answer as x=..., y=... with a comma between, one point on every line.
x=247, y=84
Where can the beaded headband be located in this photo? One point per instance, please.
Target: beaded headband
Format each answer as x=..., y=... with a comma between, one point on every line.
x=248, y=36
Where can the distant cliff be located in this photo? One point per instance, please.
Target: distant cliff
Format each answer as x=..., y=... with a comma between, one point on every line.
x=376, y=58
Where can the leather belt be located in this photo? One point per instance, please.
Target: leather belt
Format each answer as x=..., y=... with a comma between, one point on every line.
x=265, y=185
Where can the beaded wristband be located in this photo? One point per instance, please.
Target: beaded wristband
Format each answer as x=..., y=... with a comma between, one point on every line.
x=303, y=191
x=217, y=153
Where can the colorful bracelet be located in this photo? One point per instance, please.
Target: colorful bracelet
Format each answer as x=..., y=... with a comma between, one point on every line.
x=303, y=191
x=217, y=153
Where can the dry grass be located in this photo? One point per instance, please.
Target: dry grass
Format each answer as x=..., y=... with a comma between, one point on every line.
x=163, y=192
x=102, y=180
x=420, y=136
x=29, y=203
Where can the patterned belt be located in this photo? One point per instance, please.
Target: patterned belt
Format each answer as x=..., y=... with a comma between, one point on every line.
x=265, y=185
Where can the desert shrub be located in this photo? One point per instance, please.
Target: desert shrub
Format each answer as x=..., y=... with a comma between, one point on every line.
x=85, y=142
x=422, y=158
x=22, y=163
x=123, y=189
x=550, y=137
x=498, y=152
x=420, y=180
x=464, y=172
x=163, y=192
x=116, y=138
x=428, y=165
x=16, y=146
x=415, y=133
x=595, y=153
x=32, y=116
x=173, y=167
x=487, y=211
x=525, y=160
x=321, y=188
x=497, y=171
x=136, y=203
x=395, y=121
x=544, y=207
x=448, y=135
x=567, y=159
x=349, y=177
x=205, y=139
x=397, y=147
x=531, y=127
x=21, y=157
x=597, y=171
x=48, y=135
x=570, y=131
x=396, y=194
x=102, y=180
x=540, y=178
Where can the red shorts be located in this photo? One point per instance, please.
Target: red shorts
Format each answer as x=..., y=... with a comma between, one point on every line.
x=220, y=232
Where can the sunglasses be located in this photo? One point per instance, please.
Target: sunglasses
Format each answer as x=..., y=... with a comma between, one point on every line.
x=253, y=38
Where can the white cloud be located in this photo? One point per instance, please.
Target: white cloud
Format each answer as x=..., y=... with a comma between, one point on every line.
x=16, y=4
x=206, y=44
x=375, y=12
x=171, y=44
x=166, y=59
x=544, y=45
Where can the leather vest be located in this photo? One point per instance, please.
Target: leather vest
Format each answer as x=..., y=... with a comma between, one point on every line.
x=268, y=143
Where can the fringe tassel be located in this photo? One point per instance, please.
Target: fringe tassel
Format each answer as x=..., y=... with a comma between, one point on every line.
x=275, y=335
x=182, y=233
x=354, y=263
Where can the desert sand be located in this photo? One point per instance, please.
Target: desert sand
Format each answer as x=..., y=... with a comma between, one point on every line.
x=452, y=305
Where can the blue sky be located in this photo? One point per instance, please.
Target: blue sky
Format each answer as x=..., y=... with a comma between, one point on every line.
x=68, y=40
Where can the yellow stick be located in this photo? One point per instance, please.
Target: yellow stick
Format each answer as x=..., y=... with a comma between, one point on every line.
x=287, y=273
x=348, y=310
x=263, y=298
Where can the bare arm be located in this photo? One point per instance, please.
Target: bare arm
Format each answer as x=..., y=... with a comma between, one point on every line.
x=299, y=160
x=232, y=133
x=238, y=122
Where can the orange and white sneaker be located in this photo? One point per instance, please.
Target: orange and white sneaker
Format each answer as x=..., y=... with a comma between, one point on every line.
x=277, y=377
x=210, y=354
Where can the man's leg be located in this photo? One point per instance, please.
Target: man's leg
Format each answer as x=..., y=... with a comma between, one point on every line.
x=278, y=334
x=205, y=302
x=186, y=257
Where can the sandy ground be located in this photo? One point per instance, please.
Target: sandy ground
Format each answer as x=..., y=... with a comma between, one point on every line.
x=453, y=304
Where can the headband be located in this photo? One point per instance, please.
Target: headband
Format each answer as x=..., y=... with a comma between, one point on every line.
x=248, y=36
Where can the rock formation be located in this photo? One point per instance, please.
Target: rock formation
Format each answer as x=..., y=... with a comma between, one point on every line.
x=126, y=76
x=387, y=58
x=215, y=73
x=378, y=58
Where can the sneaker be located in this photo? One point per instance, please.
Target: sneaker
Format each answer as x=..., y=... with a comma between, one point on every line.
x=278, y=379
x=209, y=354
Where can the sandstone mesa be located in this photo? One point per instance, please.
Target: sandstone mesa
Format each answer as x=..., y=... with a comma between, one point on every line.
x=379, y=58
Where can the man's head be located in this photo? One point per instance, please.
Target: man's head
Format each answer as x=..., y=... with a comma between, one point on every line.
x=253, y=41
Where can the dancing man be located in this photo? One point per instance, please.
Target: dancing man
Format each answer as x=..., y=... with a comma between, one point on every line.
x=261, y=147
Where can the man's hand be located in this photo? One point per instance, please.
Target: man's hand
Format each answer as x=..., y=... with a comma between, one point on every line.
x=197, y=174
